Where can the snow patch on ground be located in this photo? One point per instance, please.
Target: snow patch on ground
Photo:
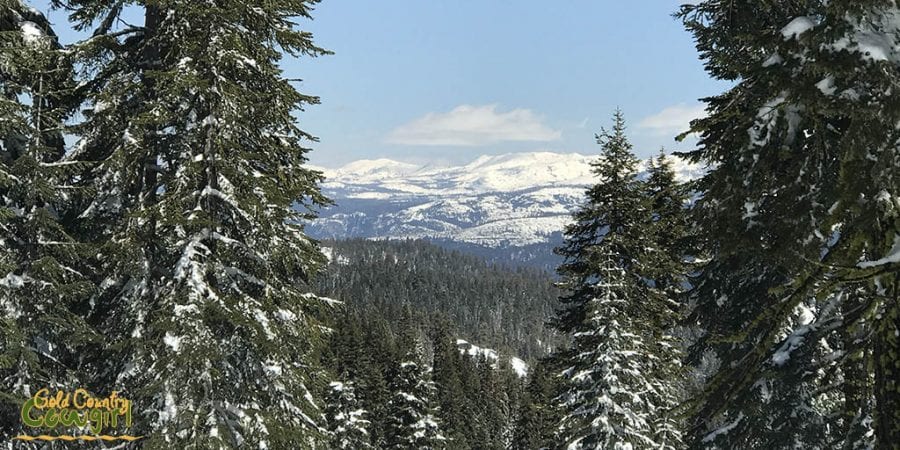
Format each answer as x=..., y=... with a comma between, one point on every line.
x=329, y=253
x=518, y=366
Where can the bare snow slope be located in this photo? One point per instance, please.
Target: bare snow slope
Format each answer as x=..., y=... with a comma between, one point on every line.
x=511, y=200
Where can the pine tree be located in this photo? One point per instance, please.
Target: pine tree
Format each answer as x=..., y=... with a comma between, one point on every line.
x=412, y=423
x=456, y=412
x=42, y=286
x=665, y=265
x=538, y=417
x=491, y=404
x=799, y=215
x=669, y=227
x=614, y=394
x=200, y=192
x=346, y=420
x=363, y=357
x=609, y=400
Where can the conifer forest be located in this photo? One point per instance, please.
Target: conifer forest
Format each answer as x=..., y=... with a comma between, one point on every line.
x=173, y=274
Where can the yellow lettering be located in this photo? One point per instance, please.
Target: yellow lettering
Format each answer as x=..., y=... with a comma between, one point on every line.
x=77, y=401
x=40, y=398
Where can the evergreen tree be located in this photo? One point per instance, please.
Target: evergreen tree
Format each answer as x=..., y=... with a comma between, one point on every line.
x=665, y=266
x=491, y=403
x=363, y=356
x=449, y=371
x=200, y=191
x=667, y=203
x=799, y=216
x=610, y=399
x=538, y=416
x=42, y=286
x=615, y=394
x=346, y=420
x=412, y=423
x=376, y=393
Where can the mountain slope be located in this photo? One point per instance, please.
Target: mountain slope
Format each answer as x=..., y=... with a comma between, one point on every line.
x=505, y=202
x=503, y=310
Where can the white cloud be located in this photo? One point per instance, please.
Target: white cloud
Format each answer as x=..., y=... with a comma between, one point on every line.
x=469, y=126
x=672, y=120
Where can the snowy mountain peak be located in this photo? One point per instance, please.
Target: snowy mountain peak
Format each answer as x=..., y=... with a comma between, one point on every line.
x=372, y=170
x=498, y=201
x=495, y=173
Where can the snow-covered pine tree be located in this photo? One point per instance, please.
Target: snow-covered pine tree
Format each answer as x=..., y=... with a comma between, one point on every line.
x=492, y=406
x=412, y=423
x=667, y=201
x=360, y=354
x=42, y=289
x=450, y=369
x=664, y=263
x=201, y=190
x=800, y=211
x=346, y=419
x=613, y=397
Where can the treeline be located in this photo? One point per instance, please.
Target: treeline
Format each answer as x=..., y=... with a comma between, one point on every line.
x=491, y=306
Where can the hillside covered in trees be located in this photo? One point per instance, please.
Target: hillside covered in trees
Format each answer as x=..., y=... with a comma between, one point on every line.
x=494, y=307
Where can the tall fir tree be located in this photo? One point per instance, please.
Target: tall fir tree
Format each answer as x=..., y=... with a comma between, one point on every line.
x=800, y=217
x=201, y=187
x=346, y=419
x=538, y=417
x=666, y=267
x=667, y=203
x=491, y=403
x=412, y=422
x=43, y=288
x=363, y=355
x=449, y=374
x=616, y=394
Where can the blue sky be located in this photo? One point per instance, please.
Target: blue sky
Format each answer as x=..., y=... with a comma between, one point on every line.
x=444, y=81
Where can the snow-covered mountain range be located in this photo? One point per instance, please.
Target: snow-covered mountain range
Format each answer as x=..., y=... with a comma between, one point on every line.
x=509, y=202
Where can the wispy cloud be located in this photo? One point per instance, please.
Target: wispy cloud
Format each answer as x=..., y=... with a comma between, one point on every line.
x=672, y=120
x=470, y=126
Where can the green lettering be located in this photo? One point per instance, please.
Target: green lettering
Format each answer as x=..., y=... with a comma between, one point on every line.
x=51, y=418
x=96, y=420
x=26, y=415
